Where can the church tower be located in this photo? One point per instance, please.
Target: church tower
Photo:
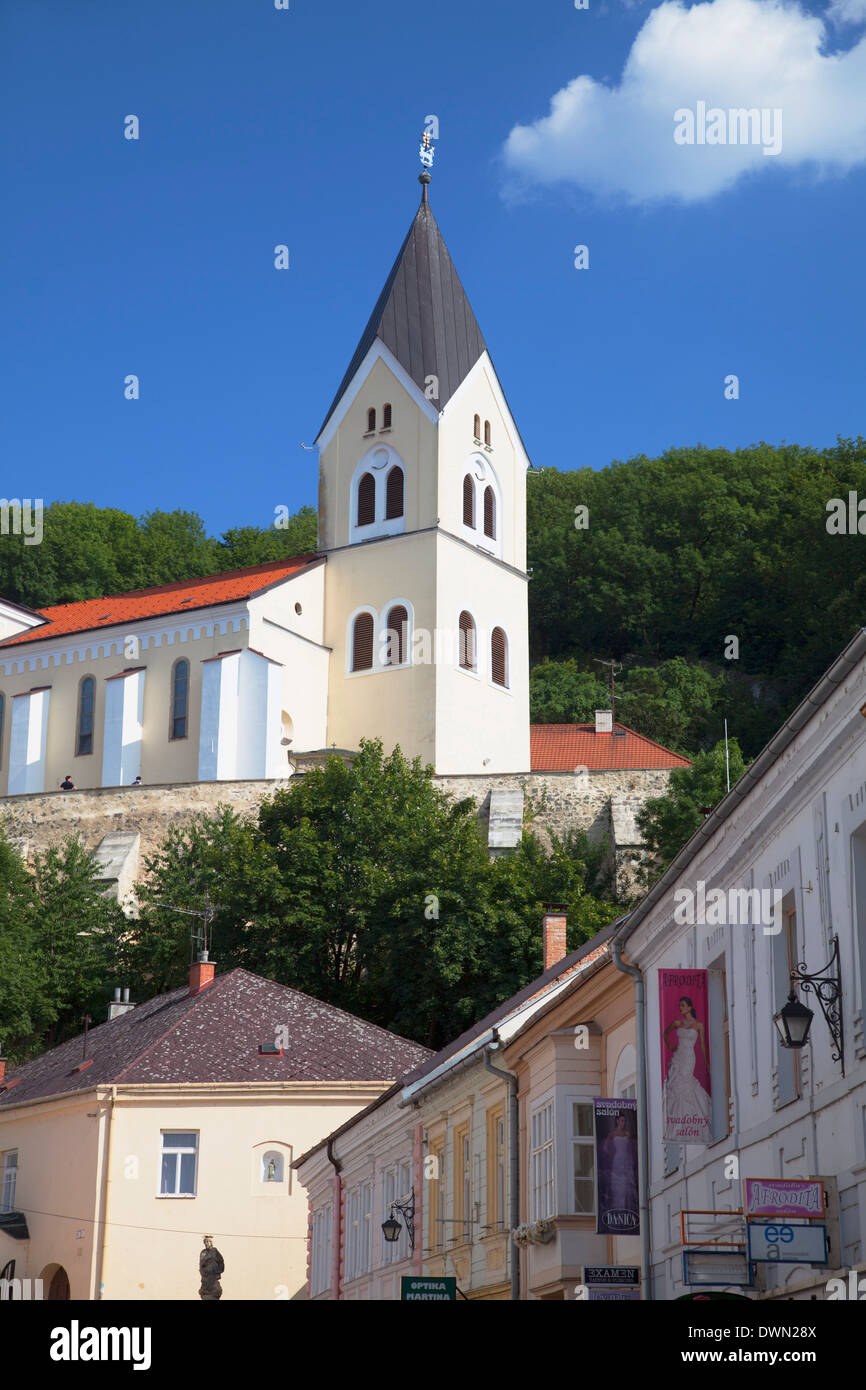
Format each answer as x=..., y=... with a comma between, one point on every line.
x=422, y=516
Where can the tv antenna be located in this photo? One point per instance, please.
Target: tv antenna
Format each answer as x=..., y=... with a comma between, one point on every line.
x=615, y=670
x=200, y=941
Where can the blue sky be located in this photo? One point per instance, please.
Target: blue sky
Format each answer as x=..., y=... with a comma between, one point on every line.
x=260, y=127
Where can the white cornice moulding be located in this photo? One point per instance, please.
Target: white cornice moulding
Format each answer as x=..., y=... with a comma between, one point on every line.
x=153, y=637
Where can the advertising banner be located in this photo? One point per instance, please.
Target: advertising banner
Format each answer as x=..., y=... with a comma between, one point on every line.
x=616, y=1167
x=685, y=1054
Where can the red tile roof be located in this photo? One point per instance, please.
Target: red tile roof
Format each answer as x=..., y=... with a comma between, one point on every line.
x=183, y=596
x=215, y=1036
x=565, y=747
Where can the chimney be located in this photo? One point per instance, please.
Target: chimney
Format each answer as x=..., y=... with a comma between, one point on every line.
x=2, y=1070
x=554, y=924
x=200, y=973
x=604, y=721
x=119, y=1006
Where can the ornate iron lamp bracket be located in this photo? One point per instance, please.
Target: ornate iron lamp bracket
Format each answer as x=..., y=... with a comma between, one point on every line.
x=828, y=988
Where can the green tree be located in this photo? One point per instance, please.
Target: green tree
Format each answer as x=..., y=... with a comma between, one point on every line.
x=667, y=822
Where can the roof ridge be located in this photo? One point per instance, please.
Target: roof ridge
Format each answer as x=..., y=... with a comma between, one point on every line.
x=266, y=565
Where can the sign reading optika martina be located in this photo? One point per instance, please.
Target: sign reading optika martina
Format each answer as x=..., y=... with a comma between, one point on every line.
x=419, y=1290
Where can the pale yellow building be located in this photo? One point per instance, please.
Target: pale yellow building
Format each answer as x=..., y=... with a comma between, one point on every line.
x=176, y=1119
x=410, y=624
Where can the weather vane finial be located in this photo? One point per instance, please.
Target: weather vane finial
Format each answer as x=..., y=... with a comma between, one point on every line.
x=425, y=154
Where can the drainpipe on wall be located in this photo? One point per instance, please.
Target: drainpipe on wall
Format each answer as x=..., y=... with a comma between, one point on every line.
x=642, y=1127
x=513, y=1161
x=98, y=1291
x=338, y=1218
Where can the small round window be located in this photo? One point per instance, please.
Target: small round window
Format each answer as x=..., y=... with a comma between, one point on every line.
x=298, y=609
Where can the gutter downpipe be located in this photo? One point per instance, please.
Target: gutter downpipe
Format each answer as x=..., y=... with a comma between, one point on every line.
x=98, y=1292
x=338, y=1223
x=513, y=1159
x=643, y=1138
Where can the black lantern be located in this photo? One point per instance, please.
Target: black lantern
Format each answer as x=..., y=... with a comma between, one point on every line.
x=391, y=1229
x=793, y=1022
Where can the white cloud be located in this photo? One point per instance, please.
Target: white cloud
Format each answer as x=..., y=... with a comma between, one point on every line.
x=847, y=12
x=619, y=141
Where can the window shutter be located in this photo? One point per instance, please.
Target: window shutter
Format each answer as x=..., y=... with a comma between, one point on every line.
x=398, y=627
x=497, y=656
x=371, y=420
x=386, y=417
x=394, y=494
x=467, y=642
x=362, y=642
x=489, y=513
x=486, y=431
x=468, y=501
x=367, y=500
x=476, y=426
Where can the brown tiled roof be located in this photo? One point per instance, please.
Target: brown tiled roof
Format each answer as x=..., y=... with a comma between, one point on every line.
x=566, y=747
x=215, y=1036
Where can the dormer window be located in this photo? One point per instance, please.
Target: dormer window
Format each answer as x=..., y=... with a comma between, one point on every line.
x=371, y=419
x=386, y=416
x=367, y=500
x=468, y=501
x=487, y=433
x=476, y=428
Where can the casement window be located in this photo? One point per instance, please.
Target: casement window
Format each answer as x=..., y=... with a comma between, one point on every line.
x=371, y=420
x=496, y=1167
x=386, y=419
x=362, y=642
x=784, y=955
x=397, y=636
x=393, y=494
x=490, y=513
x=718, y=1044
x=476, y=427
x=320, y=1247
x=582, y=1158
x=468, y=501
x=179, y=1163
x=10, y=1177
x=499, y=657
x=542, y=1164
x=367, y=500
x=179, y=699
x=462, y=1185
x=359, y=1231
x=435, y=1190
x=487, y=433
x=396, y=1187
x=86, y=698
x=467, y=655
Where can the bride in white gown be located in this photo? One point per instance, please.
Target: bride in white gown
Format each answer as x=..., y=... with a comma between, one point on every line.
x=687, y=1105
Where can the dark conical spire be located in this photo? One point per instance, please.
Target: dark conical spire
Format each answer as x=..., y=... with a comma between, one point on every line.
x=422, y=315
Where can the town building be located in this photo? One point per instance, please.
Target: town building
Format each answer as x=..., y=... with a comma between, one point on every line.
x=771, y=886
x=179, y=1118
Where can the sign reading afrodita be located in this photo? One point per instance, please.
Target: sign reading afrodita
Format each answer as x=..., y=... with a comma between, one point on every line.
x=685, y=1056
x=784, y=1197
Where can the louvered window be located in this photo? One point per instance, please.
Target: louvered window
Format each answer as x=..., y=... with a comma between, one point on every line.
x=468, y=501
x=398, y=630
x=362, y=643
x=476, y=426
x=386, y=416
x=371, y=419
x=489, y=513
x=486, y=431
x=394, y=494
x=367, y=500
x=498, y=655
x=467, y=642
x=86, y=697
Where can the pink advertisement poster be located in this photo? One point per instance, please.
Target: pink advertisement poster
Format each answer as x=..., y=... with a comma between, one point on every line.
x=685, y=1053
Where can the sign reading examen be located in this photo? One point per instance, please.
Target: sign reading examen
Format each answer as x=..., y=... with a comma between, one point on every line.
x=428, y=1290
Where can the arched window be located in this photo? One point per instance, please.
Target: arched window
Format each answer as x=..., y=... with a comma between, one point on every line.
x=394, y=493
x=386, y=416
x=371, y=419
x=86, y=698
x=490, y=513
x=397, y=628
x=179, y=699
x=362, y=642
x=476, y=426
x=272, y=1166
x=498, y=657
x=367, y=500
x=486, y=431
x=467, y=641
x=468, y=501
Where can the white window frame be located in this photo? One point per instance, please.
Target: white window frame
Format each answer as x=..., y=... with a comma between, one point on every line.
x=483, y=474
x=10, y=1179
x=543, y=1166
x=320, y=1250
x=396, y=1187
x=379, y=526
x=583, y=1141
x=179, y=1150
x=359, y=1225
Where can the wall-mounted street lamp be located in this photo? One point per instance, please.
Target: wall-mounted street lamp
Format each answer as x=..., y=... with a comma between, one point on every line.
x=391, y=1228
x=794, y=1020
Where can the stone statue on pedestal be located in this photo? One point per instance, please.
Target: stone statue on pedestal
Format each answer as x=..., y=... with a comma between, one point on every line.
x=211, y=1266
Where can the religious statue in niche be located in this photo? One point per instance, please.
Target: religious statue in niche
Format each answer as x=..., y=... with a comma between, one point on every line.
x=211, y=1266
